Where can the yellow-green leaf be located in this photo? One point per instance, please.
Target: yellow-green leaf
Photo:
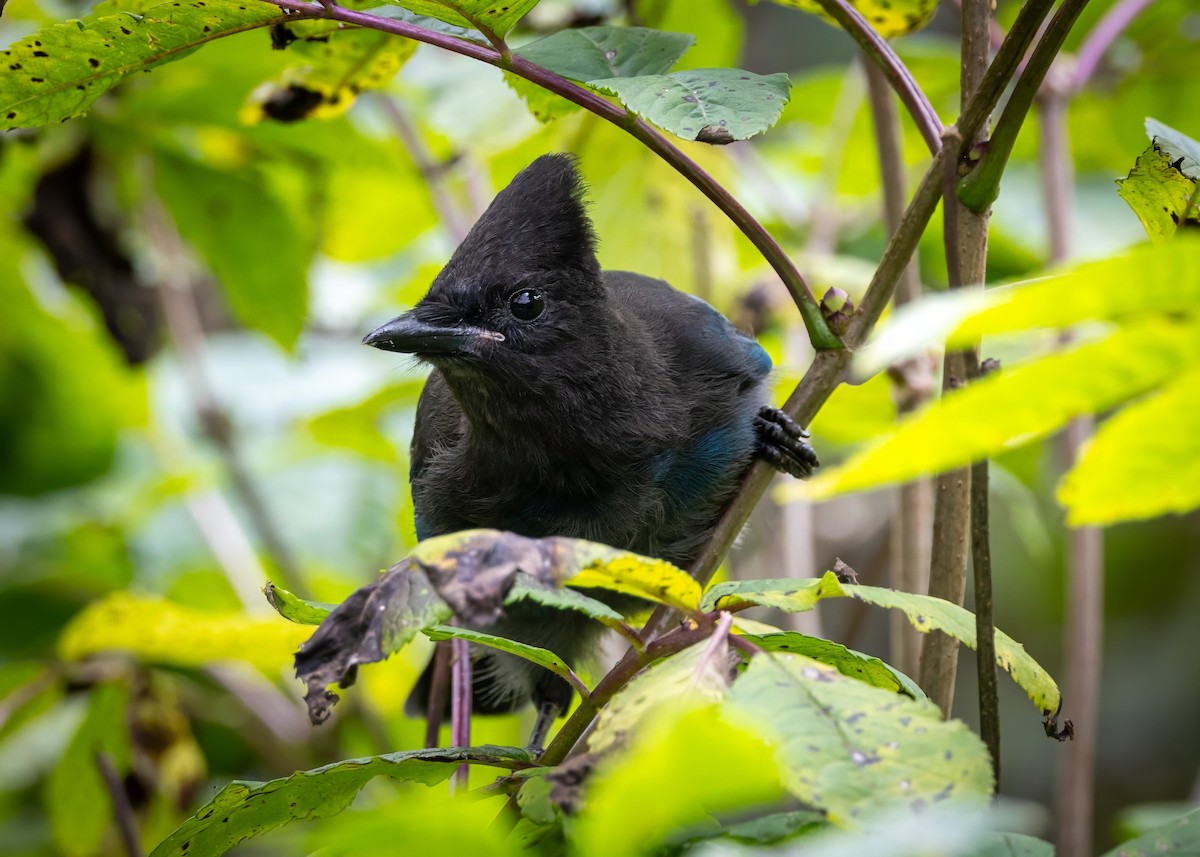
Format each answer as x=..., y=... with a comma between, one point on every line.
x=691, y=678
x=925, y=612
x=888, y=17
x=1015, y=406
x=294, y=608
x=664, y=781
x=653, y=579
x=161, y=632
x=1162, y=197
x=59, y=71
x=342, y=65
x=1143, y=281
x=1143, y=462
x=849, y=748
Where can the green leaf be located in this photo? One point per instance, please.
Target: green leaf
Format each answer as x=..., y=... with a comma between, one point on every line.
x=247, y=236
x=596, y=53
x=850, y=748
x=243, y=810
x=1015, y=406
x=715, y=105
x=1143, y=462
x=296, y=609
x=528, y=588
x=78, y=803
x=61, y=70
x=1162, y=197
x=664, y=782
x=695, y=676
x=534, y=654
x=359, y=428
x=887, y=17
x=59, y=426
x=791, y=595
x=486, y=16
x=160, y=632
x=925, y=612
x=1013, y=845
x=846, y=661
x=1180, y=837
x=340, y=67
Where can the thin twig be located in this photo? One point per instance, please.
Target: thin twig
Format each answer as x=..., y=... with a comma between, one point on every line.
x=979, y=189
x=965, y=241
x=881, y=55
x=985, y=627
x=122, y=809
x=814, y=321
x=439, y=693
x=1083, y=634
x=460, y=707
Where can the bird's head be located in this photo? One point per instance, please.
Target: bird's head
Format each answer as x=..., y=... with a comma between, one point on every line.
x=523, y=285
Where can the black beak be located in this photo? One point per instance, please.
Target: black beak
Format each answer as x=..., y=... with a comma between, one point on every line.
x=408, y=335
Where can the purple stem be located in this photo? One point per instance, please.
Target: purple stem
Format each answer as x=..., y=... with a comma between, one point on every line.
x=898, y=75
x=460, y=707
x=1119, y=16
x=814, y=321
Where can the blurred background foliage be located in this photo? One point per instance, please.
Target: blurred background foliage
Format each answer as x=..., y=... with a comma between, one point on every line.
x=183, y=418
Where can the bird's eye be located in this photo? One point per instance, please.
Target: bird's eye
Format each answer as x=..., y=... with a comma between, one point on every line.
x=527, y=304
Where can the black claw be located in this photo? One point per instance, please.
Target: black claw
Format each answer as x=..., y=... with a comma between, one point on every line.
x=781, y=445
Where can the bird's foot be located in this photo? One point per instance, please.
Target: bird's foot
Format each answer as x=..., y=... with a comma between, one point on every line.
x=547, y=713
x=781, y=443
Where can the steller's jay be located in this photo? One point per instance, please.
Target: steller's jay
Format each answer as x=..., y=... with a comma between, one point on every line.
x=565, y=400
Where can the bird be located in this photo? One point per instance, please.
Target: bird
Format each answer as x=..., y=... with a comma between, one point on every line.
x=566, y=400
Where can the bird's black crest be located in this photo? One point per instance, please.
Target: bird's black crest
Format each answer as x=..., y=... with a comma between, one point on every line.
x=537, y=223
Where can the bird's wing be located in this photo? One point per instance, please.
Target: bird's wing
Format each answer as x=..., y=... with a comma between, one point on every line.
x=696, y=337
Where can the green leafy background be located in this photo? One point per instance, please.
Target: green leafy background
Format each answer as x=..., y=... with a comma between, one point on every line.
x=128, y=628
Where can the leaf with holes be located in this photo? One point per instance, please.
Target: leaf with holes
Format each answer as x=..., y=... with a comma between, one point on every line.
x=888, y=17
x=486, y=16
x=714, y=105
x=850, y=748
x=1160, y=194
x=59, y=71
x=339, y=67
x=243, y=810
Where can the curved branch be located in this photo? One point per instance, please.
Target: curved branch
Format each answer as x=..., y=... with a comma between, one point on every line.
x=894, y=69
x=818, y=331
x=1115, y=21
